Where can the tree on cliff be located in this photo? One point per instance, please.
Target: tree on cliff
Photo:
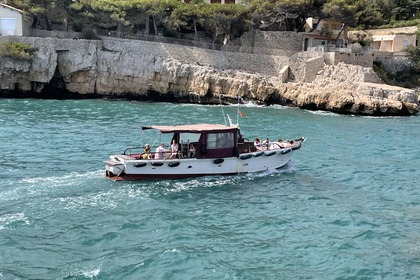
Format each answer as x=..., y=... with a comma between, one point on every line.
x=406, y=9
x=223, y=22
x=414, y=54
x=186, y=17
x=219, y=21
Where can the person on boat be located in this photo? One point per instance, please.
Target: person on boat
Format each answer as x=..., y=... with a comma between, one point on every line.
x=283, y=144
x=147, y=152
x=191, y=151
x=266, y=144
x=160, y=152
x=258, y=144
x=174, y=149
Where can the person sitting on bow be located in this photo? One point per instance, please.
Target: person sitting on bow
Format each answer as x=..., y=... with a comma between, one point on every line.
x=267, y=143
x=258, y=144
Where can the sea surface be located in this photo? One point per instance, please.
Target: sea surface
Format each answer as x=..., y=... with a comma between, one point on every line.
x=346, y=207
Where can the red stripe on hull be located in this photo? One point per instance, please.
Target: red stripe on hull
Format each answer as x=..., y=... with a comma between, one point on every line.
x=139, y=177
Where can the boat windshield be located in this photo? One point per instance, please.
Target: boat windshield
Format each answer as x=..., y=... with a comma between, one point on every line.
x=188, y=137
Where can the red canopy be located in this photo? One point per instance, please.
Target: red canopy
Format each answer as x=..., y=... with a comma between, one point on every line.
x=192, y=128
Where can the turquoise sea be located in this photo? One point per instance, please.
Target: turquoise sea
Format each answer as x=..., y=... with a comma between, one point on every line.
x=346, y=207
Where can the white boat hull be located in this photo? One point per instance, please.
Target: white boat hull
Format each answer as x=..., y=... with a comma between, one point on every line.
x=124, y=167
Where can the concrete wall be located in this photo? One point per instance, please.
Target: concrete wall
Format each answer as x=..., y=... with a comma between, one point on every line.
x=362, y=59
x=313, y=66
x=385, y=31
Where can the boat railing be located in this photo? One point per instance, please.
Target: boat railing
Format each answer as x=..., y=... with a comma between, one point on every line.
x=133, y=150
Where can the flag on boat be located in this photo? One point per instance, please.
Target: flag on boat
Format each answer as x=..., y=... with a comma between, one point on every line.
x=242, y=114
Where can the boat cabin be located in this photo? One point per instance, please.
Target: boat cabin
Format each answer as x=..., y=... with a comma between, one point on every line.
x=208, y=140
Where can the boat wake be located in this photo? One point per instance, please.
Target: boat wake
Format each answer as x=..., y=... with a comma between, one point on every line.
x=67, y=179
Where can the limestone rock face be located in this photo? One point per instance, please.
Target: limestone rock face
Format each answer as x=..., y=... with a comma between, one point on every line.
x=149, y=70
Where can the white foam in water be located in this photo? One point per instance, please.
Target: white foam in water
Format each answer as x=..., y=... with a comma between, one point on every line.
x=90, y=273
x=7, y=219
x=322, y=113
x=65, y=178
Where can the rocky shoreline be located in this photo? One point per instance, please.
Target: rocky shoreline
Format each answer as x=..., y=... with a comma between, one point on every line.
x=65, y=68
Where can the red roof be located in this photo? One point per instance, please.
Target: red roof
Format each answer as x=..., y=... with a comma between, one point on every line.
x=192, y=128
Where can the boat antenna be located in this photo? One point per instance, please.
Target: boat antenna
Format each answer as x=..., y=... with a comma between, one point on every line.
x=223, y=112
x=230, y=121
x=238, y=112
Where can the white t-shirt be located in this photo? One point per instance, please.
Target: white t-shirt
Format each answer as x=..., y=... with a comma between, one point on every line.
x=160, y=151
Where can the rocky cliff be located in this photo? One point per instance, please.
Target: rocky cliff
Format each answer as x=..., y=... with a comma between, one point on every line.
x=148, y=70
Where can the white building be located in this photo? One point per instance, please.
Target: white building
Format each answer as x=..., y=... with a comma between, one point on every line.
x=11, y=20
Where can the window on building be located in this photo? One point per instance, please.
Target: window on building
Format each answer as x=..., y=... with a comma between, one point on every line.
x=7, y=26
x=216, y=1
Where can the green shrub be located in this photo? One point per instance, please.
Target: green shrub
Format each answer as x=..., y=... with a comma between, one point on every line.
x=89, y=33
x=409, y=78
x=16, y=50
x=414, y=55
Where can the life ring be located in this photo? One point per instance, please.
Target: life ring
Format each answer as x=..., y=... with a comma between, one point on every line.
x=286, y=151
x=157, y=163
x=296, y=147
x=269, y=154
x=140, y=164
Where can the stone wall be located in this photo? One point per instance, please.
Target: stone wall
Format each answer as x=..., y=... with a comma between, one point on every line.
x=362, y=59
x=280, y=43
x=393, y=62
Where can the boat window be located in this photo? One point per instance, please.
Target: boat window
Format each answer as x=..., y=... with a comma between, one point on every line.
x=188, y=137
x=220, y=140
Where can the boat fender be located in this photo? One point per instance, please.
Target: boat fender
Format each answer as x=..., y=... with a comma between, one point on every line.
x=269, y=154
x=258, y=154
x=218, y=161
x=173, y=163
x=140, y=164
x=245, y=157
x=157, y=163
x=286, y=151
x=296, y=147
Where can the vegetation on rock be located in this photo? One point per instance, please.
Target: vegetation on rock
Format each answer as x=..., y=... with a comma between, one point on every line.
x=218, y=22
x=16, y=50
x=215, y=22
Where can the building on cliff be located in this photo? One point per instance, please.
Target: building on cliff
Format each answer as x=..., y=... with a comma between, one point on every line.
x=390, y=39
x=11, y=21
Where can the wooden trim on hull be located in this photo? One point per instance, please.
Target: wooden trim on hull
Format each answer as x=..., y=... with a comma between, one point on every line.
x=140, y=177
